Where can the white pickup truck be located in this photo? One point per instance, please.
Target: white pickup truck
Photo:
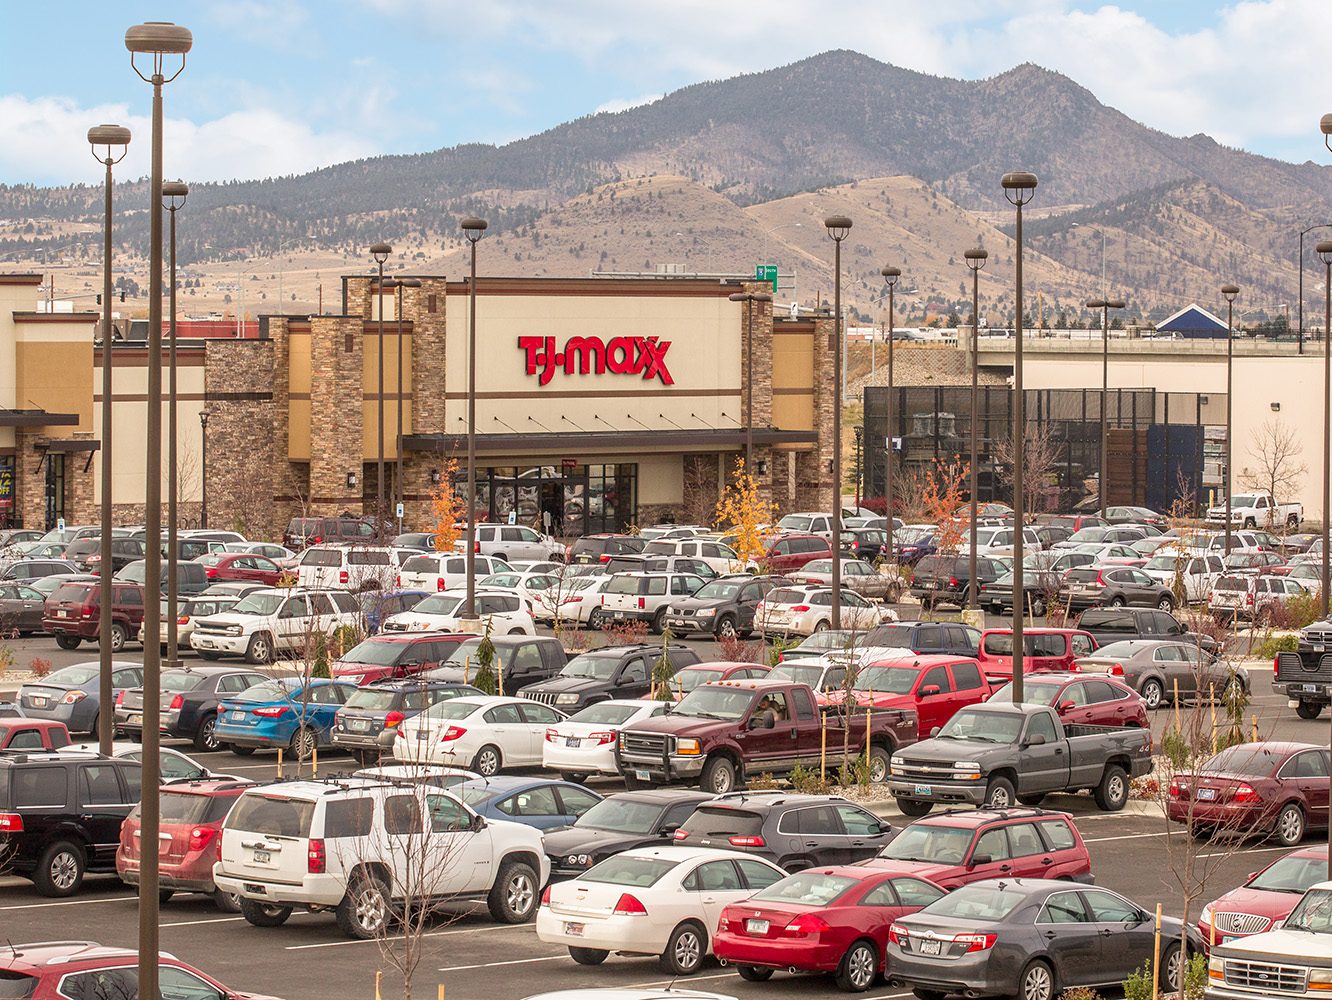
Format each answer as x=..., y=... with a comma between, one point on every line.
x=1257, y=510
x=1293, y=961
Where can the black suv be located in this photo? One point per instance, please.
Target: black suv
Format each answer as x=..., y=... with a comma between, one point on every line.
x=523, y=659
x=599, y=548
x=946, y=579
x=950, y=638
x=724, y=606
x=620, y=822
x=1113, y=624
x=602, y=674
x=60, y=815
x=190, y=697
x=793, y=831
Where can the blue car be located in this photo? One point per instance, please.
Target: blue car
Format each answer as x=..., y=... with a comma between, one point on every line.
x=72, y=694
x=376, y=605
x=538, y=802
x=287, y=712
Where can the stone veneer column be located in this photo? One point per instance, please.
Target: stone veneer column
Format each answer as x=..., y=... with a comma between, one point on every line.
x=762, y=417
x=337, y=359
x=246, y=455
x=429, y=339
x=814, y=483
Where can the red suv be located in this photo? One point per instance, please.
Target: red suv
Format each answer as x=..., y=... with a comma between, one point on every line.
x=791, y=552
x=53, y=970
x=963, y=846
x=396, y=654
x=221, y=566
x=73, y=613
x=1043, y=649
x=935, y=686
x=191, y=833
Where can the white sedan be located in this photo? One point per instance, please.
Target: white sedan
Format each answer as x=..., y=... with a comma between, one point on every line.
x=529, y=586
x=575, y=597
x=485, y=733
x=806, y=610
x=584, y=744
x=506, y=613
x=662, y=901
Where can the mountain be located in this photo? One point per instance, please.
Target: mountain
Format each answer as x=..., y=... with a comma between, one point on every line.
x=916, y=157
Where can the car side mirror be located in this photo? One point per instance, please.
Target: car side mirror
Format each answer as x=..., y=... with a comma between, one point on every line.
x=667, y=831
x=1066, y=706
x=979, y=859
x=1036, y=740
x=478, y=824
x=934, y=732
x=928, y=691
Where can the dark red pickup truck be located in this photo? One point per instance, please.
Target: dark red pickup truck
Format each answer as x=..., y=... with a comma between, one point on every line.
x=19, y=733
x=722, y=732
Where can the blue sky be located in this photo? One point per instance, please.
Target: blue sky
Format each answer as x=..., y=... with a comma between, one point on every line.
x=283, y=86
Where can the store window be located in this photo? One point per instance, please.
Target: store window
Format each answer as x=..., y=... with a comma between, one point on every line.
x=565, y=500
x=55, y=488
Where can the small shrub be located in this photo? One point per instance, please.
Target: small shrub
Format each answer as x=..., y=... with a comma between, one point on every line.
x=808, y=782
x=345, y=637
x=1295, y=612
x=779, y=646
x=1140, y=983
x=39, y=666
x=854, y=773
x=1079, y=993
x=737, y=650
x=320, y=668
x=765, y=782
x=1175, y=748
x=1195, y=978
x=1273, y=644
x=287, y=579
x=485, y=678
x=628, y=632
x=1145, y=789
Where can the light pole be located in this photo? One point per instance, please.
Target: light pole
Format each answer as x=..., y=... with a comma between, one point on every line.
x=203, y=468
x=1229, y=291
x=1019, y=188
x=473, y=228
x=1325, y=255
x=115, y=143
x=175, y=193
x=282, y=303
x=860, y=431
x=839, y=228
x=157, y=40
x=380, y=252
x=975, y=261
x=749, y=298
x=1105, y=305
x=890, y=275
x=399, y=494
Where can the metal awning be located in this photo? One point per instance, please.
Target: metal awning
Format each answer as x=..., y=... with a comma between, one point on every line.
x=37, y=418
x=565, y=442
x=69, y=446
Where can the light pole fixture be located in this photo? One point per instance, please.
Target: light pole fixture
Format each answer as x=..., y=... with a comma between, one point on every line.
x=380, y=252
x=156, y=41
x=399, y=491
x=749, y=298
x=1324, y=249
x=203, y=468
x=839, y=228
x=1105, y=305
x=109, y=144
x=1229, y=292
x=473, y=228
x=890, y=275
x=975, y=259
x=175, y=193
x=1019, y=188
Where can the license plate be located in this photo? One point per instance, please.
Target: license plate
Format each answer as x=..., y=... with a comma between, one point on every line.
x=358, y=725
x=928, y=947
x=574, y=930
x=62, y=613
x=237, y=716
x=756, y=926
x=38, y=702
x=923, y=790
x=1206, y=794
x=642, y=775
x=617, y=614
x=1318, y=647
x=1307, y=688
x=1227, y=938
x=572, y=741
x=421, y=734
x=263, y=858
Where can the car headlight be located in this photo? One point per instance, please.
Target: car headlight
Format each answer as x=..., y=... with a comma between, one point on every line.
x=896, y=762
x=580, y=860
x=1321, y=977
x=566, y=699
x=706, y=612
x=234, y=630
x=688, y=747
x=1216, y=968
x=1206, y=915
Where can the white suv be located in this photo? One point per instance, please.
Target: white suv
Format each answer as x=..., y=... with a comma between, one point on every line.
x=644, y=596
x=722, y=558
x=361, y=847
x=444, y=571
x=347, y=567
x=506, y=612
x=266, y=622
x=513, y=541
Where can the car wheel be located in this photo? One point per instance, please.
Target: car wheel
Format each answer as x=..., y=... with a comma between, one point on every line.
x=1289, y=828
x=487, y=761
x=595, y=620
x=726, y=627
x=658, y=623
x=999, y=794
x=364, y=911
x=209, y=656
x=303, y=743
x=241, y=751
x=1249, y=523
x=264, y=914
x=1171, y=969
x=1166, y=603
x=60, y=869
x=914, y=807
x=1308, y=709
x=859, y=968
x=513, y=898
x=718, y=776
x=227, y=902
x=1113, y=791
x=1153, y=693
x=1036, y=982
x=205, y=737
x=878, y=765
x=684, y=950
x=68, y=641
x=754, y=973
x=822, y=626
x=260, y=649
x=1116, y=602
x=574, y=777
x=588, y=956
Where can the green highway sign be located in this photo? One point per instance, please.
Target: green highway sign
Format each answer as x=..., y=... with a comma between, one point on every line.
x=766, y=272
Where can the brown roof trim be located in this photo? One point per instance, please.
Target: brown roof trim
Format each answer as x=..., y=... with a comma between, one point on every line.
x=28, y=316
x=573, y=443
x=70, y=445
x=665, y=287
x=371, y=326
x=20, y=278
x=37, y=418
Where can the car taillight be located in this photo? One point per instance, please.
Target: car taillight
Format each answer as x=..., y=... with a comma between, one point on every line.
x=452, y=733
x=201, y=837
x=120, y=697
x=952, y=581
x=270, y=711
x=545, y=896
x=182, y=619
x=398, y=581
x=393, y=719
x=343, y=577
x=898, y=934
x=602, y=738
x=800, y=608
x=642, y=603
x=72, y=696
x=90, y=611
x=976, y=942
x=680, y=834
x=11, y=823
x=747, y=842
x=176, y=703
x=807, y=923
x=1248, y=598
x=439, y=584
x=1100, y=582
x=1176, y=788
x=317, y=540
x=629, y=906
x=1245, y=793
x=316, y=862
x=605, y=557
x=551, y=736
x=1117, y=670
x=210, y=572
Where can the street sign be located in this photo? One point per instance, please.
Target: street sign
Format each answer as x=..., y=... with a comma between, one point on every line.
x=513, y=517
x=895, y=443
x=60, y=524
x=768, y=273
x=399, y=511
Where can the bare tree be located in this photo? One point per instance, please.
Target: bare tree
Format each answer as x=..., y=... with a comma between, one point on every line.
x=699, y=493
x=1278, y=469
x=1040, y=455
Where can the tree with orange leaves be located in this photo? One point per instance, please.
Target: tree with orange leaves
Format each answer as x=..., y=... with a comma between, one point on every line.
x=743, y=509
x=446, y=507
x=943, y=499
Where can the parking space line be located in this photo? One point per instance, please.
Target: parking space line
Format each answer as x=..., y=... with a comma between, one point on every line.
x=516, y=961
x=206, y=920
x=1126, y=836
x=692, y=979
x=71, y=902
x=491, y=928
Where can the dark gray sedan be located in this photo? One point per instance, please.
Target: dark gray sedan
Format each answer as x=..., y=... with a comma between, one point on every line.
x=1157, y=668
x=20, y=609
x=1029, y=938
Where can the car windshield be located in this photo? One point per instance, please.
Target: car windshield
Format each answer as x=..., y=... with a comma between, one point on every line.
x=910, y=536
x=1033, y=692
x=1244, y=500
x=930, y=842
x=889, y=637
x=806, y=889
x=1123, y=650
x=257, y=604
x=1033, y=644
x=715, y=703
x=438, y=604
x=817, y=566
x=1291, y=874
x=690, y=679
x=450, y=710
x=719, y=590
x=606, y=714
x=1249, y=760
x=373, y=652
x=1167, y=562
x=797, y=673
x=794, y=522
x=1239, y=583
x=1313, y=913
x=637, y=872
x=591, y=666
x=80, y=674
x=976, y=902
x=371, y=699
x=621, y=816
x=178, y=681
x=983, y=727
x=465, y=654
x=889, y=680
x=837, y=639
x=271, y=690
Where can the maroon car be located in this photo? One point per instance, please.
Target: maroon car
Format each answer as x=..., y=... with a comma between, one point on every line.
x=1082, y=700
x=396, y=654
x=1267, y=896
x=1279, y=789
x=223, y=566
x=19, y=733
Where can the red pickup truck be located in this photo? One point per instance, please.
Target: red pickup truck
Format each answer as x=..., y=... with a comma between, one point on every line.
x=1043, y=649
x=19, y=733
x=934, y=686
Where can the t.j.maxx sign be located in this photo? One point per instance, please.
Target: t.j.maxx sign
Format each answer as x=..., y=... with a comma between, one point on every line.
x=645, y=356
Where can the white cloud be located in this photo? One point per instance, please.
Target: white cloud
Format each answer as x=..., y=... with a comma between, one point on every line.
x=48, y=144
x=618, y=104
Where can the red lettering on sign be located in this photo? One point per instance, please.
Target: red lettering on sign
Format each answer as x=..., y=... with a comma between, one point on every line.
x=644, y=356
